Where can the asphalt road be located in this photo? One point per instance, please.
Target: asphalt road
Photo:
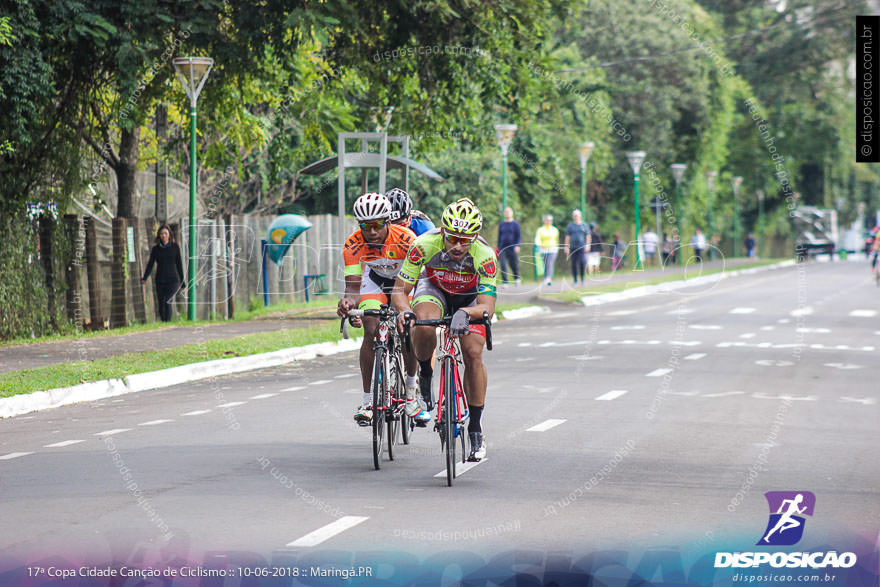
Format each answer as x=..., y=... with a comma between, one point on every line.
x=630, y=425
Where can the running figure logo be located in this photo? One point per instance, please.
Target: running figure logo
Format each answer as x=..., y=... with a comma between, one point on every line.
x=786, y=526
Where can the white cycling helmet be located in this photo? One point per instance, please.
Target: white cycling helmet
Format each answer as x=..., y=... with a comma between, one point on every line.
x=372, y=206
x=401, y=203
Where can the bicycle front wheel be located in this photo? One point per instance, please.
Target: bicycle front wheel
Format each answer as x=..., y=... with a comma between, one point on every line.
x=377, y=388
x=449, y=417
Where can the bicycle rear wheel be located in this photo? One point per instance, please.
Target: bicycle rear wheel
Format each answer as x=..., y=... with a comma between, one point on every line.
x=378, y=389
x=449, y=417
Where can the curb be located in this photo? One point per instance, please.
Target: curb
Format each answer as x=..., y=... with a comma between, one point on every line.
x=645, y=290
x=53, y=398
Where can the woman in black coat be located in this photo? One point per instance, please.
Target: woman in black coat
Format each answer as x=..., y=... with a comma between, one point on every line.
x=169, y=271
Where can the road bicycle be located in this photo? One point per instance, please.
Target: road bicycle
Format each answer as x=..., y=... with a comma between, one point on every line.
x=387, y=383
x=452, y=407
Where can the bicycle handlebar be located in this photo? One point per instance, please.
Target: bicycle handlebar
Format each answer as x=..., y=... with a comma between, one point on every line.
x=446, y=320
x=383, y=313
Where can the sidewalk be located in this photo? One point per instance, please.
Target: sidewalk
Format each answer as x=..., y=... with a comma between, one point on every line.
x=29, y=356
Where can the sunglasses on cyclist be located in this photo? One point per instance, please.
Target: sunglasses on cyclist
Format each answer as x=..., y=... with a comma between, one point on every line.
x=375, y=225
x=458, y=240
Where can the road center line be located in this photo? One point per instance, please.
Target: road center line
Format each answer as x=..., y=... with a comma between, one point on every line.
x=296, y=388
x=659, y=372
x=695, y=356
x=15, y=455
x=345, y=376
x=863, y=313
x=320, y=382
x=154, y=422
x=196, y=413
x=742, y=310
x=545, y=425
x=263, y=396
x=231, y=404
x=329, y=531
x=614, y=394
x=63, y=443
x=112, y=432
x=462, y=467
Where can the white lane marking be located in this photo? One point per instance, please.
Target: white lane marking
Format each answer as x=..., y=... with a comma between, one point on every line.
x=695, y=356
x=686, y=393
x=685, y=342
x=622, y=313
x=15, y=455
x=765, y=328
x=565, y=315
x=523, y=359
x=231, y=404
x=297, y=388
x=320, y=382
x=811, y=330
x=806, y=311
x=772, y=363
x=539, y=389
x=723, y=394
x=63, y=443
x=877, y=332
x=614, y=394
x=263, y=396
x=462, y=467
x=112, y=432
x=545, y=425
x=329, y=531
x=681, y=311
x=783, y=321
x=742, y=310
x=604, y=342
x=586, y=357
x=863, y=313
x=705, y=326
x=868, y=401
x=345, y=376
x=525, y=344
x=659, y=372
x=747, y=335
x=633, y=327
x=803, y=398
x=154, y=422
x=845, y=366
x=196, y=413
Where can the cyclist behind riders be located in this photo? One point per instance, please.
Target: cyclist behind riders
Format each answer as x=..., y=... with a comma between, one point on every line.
x=460, y=276
x=373, y=255
x=403, y=214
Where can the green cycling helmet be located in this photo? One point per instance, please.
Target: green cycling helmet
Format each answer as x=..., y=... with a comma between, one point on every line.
x=463, y=217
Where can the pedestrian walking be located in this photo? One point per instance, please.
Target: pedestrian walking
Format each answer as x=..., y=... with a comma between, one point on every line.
x=619, y=249
x=650, y=241
x=577, y=241
x=547, y=241
x=594, y=257
x=165, y=254
x=750, y=245
x=698, y=244
x=509, y=242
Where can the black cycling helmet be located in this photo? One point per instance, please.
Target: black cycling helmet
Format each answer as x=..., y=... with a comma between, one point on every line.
x=401, y=203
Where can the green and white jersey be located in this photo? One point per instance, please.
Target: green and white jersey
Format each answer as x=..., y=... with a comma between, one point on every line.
x=476, y=272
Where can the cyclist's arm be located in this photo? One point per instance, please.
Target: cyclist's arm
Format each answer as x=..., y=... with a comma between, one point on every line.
x=351, y=296
x=485, y=303
x=400, y=294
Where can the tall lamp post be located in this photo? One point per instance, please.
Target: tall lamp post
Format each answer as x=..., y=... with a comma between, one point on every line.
x=636, y=158
x=736, y=181
x=678, y=170
x=710, y=183
x=584, y=154
x=504, y=134
x=193, y=72
x=760, y=214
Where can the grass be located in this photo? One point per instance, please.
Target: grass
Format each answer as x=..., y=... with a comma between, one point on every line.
x=288, y=307
x=73, y=373
x=575, y=295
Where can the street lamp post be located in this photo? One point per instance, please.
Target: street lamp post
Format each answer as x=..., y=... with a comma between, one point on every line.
x=192, y=72
x=760, y=230
x=710, y=183
x=504, y=134
x=678, y=170
x=636, y=158
x=584, y=154
x=736, y=181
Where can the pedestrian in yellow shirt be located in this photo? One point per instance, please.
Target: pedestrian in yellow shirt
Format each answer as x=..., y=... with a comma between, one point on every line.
x=547, y=239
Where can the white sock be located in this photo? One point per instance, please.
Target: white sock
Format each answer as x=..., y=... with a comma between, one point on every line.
x=368, y=399
x=411, y=380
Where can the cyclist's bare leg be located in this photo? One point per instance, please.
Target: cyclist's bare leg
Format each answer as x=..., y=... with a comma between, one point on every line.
x=367, y=353
x=424, y=338
x=475, y=378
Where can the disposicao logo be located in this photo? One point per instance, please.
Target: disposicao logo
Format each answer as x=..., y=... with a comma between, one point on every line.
x=785, y=528
x=786, y=524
